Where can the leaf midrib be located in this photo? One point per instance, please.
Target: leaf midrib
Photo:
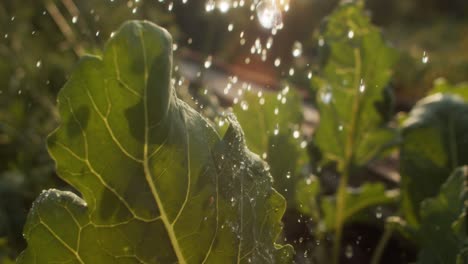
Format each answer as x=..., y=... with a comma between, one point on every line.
x=148, y=176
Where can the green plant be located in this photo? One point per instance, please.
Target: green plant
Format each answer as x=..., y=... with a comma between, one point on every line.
x=150, y=169
x=351, y=85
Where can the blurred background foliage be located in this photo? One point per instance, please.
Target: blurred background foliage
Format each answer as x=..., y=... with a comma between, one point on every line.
x=41, y=40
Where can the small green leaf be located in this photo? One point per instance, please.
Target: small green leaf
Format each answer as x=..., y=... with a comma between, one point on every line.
x=272, y=123
x=350, y=87
x=440, y=242
x=358, y=199
x=158, y=183
x=434, y=143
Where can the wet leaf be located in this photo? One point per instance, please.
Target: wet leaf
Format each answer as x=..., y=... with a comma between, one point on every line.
x=158, y=183
x=434, y=143
x=272, y=125
x=351, y=87
x=441, y=240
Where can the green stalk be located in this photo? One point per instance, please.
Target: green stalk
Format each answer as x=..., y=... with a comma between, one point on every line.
x=346, y=166
x=379, y=250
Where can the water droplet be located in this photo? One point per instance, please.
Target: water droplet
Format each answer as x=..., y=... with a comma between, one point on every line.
x=425, y=58
x=321, y=42
x=230, y=27
x=276, y=131
x=304, y=144
x=269, y=43
x=269, y=14
x=276, y=111
x=74, y=19
x=38, y=63
x=288, y=175
x=296, y=134
x=362, y=86
x=277, y=62
x=224, y=5
x=349, y=251
x=291, y=71
x=340, y=127
x=378, y=212
x=309, y=75
x=210, y=5
x=350, y=34
x=208, y=62
x=297, y=49
x=326, y=97
x=244, y=105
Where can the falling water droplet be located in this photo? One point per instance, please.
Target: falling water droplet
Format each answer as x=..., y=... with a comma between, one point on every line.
x=276, y=131
x=296, y=134
x=309, y=75
x=321, y=42
x=362, y=86
x=349, y=251
x=378, y=212
x=224, y=5
x=244, y=105
x=297, y=49
x=269, y=14
x=208, y=62
x=210, y=5
x=38, y=63
x=277, y=62
x=350, y=34
x=326, y=97
x=230, y=27
x=425, y=58
x=74, y=19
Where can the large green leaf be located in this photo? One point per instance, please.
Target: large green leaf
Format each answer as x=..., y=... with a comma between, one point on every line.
x=443, y=234
x=434, y=143
x=158, y=184
x=272, y=124
x=351, y=86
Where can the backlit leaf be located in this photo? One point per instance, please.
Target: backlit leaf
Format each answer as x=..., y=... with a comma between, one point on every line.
x=158, y=183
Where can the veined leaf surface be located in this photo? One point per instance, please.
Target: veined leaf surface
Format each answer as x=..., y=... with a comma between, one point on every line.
x=442, y=235
x=158, y=183
x=358, y=66
x=434, y=143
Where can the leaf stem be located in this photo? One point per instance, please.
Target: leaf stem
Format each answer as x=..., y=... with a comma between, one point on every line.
x=347, y=164
x=379, y=250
